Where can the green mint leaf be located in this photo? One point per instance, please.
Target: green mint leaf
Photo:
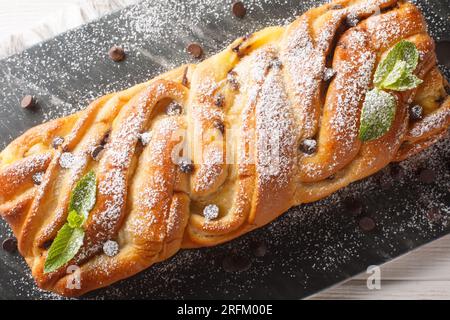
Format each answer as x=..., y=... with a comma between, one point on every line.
x=377, y=114
x=65, y=246
x=83, y=196
x=405, y=83
x=400, y=71
x=75, y=220
x=405, y=51
x=70, y=237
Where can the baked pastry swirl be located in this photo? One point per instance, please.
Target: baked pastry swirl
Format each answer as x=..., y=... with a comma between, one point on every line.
x=205, y=153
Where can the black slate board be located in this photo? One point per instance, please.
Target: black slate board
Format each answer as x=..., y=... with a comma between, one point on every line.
x=308, y=249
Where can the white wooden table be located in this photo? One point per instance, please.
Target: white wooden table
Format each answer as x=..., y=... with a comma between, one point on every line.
x=423, y=274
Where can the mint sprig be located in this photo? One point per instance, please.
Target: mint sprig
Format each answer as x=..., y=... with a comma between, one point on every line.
x=405, y=83
x=75, y=220
x=65, y=246
x=82, y=199
x=70, y=237
x=395, y=73
x=378, y=113
x=398, y=72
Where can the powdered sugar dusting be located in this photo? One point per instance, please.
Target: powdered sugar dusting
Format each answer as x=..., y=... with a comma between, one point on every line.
x=352, y=86
x=435, y=120
x=275, y=134
x=305, y=64
x=113, y=181
x=352, y=81
x=20, y=172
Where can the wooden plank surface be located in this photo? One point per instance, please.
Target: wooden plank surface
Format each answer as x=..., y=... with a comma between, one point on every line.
x=422, y=274
x=24, y=23
x=18, y=16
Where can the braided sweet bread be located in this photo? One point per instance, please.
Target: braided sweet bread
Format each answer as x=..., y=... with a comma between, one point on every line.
x=205, y=153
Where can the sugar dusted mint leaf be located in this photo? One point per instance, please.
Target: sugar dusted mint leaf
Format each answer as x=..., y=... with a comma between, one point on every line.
x=74, y=219
x=65, y=246
x=400, y=71
x=70, y=237
x=377, y=115
x=399, y=63
x=83, y=195
x=408, y=82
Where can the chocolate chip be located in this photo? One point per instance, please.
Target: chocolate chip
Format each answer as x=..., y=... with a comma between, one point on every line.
x=9, y=245
x=385, y=182
x=116, y=53
x=328, y=74
x=308, y=146
x=367, y=224
x=28, y=102
x=195, y=50
x=427, y=176
x=37, y=178
x=236, y=262
x=186, y=166
x=96, y=152
x=219, y=125
x=353, y=207
x=145, y=138
x=174, y=109
x=396, y=171
x=416, y=112
x=241, y=52
x=239, y=9
x=258, y=248
x=105, y=139
x=47, y=244
x=275, y=63
x=434, y=214
x=67, y=160
x=352, y=21
x=219, y=100
x=57, y=142
x=237, y=49
x=232, y=80
x=174, y=282
x=111, y=248
x=211, y=212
